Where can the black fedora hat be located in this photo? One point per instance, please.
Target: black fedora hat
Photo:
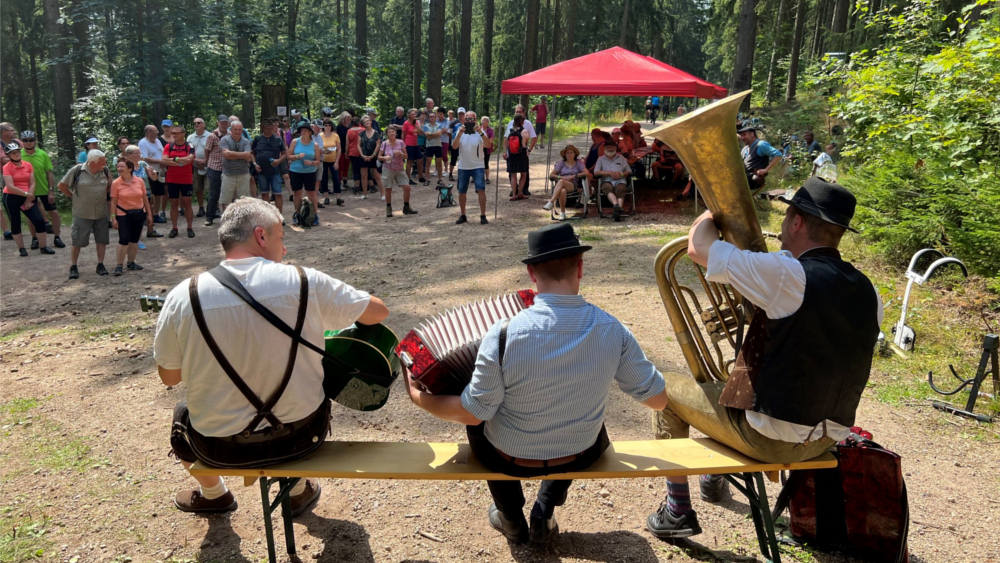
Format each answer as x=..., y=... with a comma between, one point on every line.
x=552, y=242
x=829, y=201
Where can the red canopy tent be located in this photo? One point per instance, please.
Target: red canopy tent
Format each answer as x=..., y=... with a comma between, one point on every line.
x=612, y=72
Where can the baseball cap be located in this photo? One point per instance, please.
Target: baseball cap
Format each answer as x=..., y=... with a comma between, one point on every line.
x=223, y=117
x=461, y=110
x=295, y=112
x=165, y=123
x=92, y=140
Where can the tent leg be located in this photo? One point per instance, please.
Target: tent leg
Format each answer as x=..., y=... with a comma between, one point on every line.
x=549, y=187
x=590, y=114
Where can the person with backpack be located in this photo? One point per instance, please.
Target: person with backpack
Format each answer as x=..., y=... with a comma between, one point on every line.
x=19, y=197
x=177, y=158
x=88, y=186
x=516, y=155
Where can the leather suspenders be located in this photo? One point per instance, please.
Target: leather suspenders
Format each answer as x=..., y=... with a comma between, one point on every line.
x=263, y=407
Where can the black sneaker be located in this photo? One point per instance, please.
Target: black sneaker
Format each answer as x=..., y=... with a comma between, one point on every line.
x=201, y=212
x=412, y=183
x=542, y=530
x=133, y=266
x=483, y=221
x=59, y=243
x=664, y=525
x=451, y=177
x=7, y=235
x=153, y=234
x=461, y=220
x=712, y=490
x=74, y=273
x=340, y=201
x=407, y=210
x=190, y=233
x=326, y=201
x=47, y=250
x=208, y=223
x=101, y=270
x=516, y=532
x=617, y=213
x=22, y=251
x=119, y=270
x=388, y=211
x=34, y=243
x=172, y=233
x=322, y=206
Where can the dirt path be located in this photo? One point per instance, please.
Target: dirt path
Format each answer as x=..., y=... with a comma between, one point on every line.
x=86, y=477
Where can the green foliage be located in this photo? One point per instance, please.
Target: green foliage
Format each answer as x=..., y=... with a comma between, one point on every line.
x=923, y=135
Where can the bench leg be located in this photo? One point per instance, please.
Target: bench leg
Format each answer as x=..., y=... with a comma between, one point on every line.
x=752, y=486
x=283, y=499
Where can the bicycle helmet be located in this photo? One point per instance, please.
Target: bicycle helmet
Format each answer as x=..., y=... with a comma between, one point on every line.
x=26, y=135
x=11, y=147
x=327, y=112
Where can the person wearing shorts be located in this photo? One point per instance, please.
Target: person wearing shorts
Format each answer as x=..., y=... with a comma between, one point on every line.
x=433, y=133
x=131, y=212
x=152, y=153
x=268, y=154
x=472, y=149
x=235, y=171
x=178, y=157
x=46, y=198
x=613, y=170
x=305, y=158
x=18, y=197
x=88, y=185
x=414, y=159
x=393, y=174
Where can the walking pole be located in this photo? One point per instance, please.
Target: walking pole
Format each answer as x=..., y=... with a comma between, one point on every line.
x=549, y=187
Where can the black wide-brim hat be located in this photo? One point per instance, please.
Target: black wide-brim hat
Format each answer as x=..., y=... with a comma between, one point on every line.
x=829, y=201
x=304, y=126
x=553, y=242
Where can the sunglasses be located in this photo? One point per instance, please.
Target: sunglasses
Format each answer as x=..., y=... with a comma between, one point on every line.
x=27, y=140
x=199, y=122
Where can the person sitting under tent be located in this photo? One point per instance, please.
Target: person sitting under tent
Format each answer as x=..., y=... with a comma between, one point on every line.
x=667, y=163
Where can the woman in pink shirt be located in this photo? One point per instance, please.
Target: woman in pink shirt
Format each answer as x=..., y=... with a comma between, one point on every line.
x=19, y=197
x=393, y=154
x=132, y=211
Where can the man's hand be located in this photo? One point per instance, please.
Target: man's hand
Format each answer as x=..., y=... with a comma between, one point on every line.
x=478, y=129
x=256, y=166
x=704, y=232
x=412, y=389
x=52, y=198
x=762, y=172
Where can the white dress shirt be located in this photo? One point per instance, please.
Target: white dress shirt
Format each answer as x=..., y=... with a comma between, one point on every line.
x=775, y=282
x=527, y=127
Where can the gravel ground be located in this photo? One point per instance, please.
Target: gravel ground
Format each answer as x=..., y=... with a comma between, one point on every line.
x=90, y=460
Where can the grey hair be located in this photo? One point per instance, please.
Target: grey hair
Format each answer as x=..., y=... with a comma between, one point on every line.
x=431, y=100
x=235, y=123
x=399, y=108
x=131, y=149
x=93, y=155
x=243, y=216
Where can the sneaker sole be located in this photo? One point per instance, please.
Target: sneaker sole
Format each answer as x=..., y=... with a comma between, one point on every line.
x=672, y=534
x=229, y=508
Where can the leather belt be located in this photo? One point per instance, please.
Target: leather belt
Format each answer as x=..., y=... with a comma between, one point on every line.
x=521, y=462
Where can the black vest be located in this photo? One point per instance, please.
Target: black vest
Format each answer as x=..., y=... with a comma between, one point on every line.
x=753, y=161
x=816, y=362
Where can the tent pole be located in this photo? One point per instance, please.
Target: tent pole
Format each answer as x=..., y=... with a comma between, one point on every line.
x=496, y=149
x=548, y=155
x=590, y=113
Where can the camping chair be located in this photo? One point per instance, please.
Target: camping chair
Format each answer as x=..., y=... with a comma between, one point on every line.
x=581, y=196
x=629, y=193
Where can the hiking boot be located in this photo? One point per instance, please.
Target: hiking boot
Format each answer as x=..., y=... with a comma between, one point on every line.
x=192, y=501
x=59, y=243
x=303, y=501
x=542, y=530
x=201, y=212
x=172, y=233
x=159, y=218
x=712, y=490
x=461, y=219
x=483, y=221
x=190, y=233
x=388, y=211
x=74, y=273
x=617, y=213
x=119, y=270
x=7, y=235
x=340, y=201
x=101, y=270
x=22, y=251
x=47, y=250
x=133, y=266
x=34, y=243
x=665, y=525
x=516, y=531
x=407, y=210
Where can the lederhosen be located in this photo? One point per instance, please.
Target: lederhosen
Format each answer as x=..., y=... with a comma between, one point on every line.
x=276, y=443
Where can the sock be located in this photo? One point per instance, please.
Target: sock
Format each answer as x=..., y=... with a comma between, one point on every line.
x=711, y=478
x=212, y=493
x=299, y=488
x=678, y=498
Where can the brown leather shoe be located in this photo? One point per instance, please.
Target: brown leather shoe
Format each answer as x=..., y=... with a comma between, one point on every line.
x=192, y=501
x=305, y=500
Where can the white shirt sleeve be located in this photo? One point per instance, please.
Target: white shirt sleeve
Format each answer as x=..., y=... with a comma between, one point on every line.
x=167, y=349
x=339, y=303
x=774, y=281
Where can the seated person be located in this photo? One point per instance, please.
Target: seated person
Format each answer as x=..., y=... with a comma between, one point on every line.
x=598, y=139
x=612, y=171
x=624, y=147
x=218, y=423
x=637, y=139
x=540, y=390
x=824, y=166
x=810, y=144
x=794, y=390
x=566, y=176
x=759, y=157
x=668, y=162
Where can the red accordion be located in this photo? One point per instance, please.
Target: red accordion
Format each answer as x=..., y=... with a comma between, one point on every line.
x=441, y=352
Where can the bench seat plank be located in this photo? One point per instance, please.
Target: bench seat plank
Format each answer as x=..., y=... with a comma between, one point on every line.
x=454, y=462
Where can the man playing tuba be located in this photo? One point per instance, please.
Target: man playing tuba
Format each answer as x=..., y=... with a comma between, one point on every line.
x=798, y=378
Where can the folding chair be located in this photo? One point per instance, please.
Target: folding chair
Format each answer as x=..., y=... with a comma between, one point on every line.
x=582, y=196
x=629, y=193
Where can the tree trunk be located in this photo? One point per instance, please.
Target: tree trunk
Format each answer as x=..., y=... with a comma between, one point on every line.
x=340, y=22
x=361, y=44
x=435, y=50
x=81, y=51
x=569, y=47
x=465, y=54
x=143, y=61
x=110, y=39
x=272, y=96
x=624, y=32
x=746, y=39
x=657, y=42
x=840, y=16
x=36, y=95
x=61, y=80
x=556, y=33
x=530, y=41
x=245, y=70
x=415, y=49
x=293, y=21
x=793, y=66
x=769, y=93
x=14, y=55
x=488, y=55
x=157, y=74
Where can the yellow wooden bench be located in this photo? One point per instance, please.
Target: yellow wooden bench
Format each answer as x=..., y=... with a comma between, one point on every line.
x=455, y=462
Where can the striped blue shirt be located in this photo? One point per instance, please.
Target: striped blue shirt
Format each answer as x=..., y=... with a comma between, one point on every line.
x=548, y=399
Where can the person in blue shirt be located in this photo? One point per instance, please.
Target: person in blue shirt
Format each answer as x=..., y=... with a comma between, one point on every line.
x=536, y=402
x=90, y=144
x=759, y=157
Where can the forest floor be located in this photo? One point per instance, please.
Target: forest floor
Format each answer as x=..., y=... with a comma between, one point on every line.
x=84, y=469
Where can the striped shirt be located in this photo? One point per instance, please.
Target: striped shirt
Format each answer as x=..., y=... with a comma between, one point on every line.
x=548, y=399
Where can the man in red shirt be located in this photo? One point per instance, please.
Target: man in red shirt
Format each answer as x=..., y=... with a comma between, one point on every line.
x=177, y=159
x=541, y=111
x=413, y=155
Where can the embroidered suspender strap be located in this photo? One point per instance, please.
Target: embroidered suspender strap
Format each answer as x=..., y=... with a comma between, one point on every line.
x=251, y=397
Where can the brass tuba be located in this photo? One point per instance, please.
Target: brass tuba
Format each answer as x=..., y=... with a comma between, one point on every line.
x=705, y=141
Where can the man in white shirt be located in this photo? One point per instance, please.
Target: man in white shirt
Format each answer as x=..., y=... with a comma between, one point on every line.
x=151, y=150
x=218, y=420
x=198, y=140
x=797, y=381
x=472, y=147
x=613, y=170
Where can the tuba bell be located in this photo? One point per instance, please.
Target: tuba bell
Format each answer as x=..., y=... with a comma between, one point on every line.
x=705, y=141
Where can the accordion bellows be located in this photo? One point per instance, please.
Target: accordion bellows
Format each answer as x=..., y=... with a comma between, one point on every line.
x=441, y=352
